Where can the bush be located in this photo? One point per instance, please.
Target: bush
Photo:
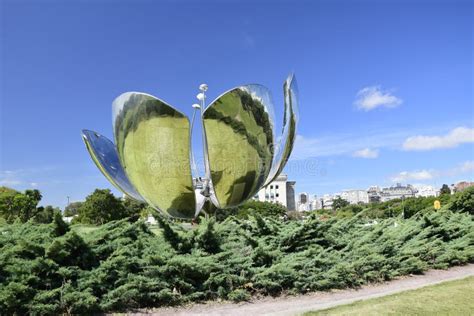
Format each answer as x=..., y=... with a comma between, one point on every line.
x=46, y=269
x=464, y=201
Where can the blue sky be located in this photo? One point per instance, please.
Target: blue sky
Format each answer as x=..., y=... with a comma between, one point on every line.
x=386, y=87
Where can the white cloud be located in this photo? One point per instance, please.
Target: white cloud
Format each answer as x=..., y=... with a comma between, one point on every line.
x=373, y=97
x=454, y=138
x=405, y=176
x=9, y=182
x=467, y=166
x=366, y=153
x=24, y=178
x=346, y=144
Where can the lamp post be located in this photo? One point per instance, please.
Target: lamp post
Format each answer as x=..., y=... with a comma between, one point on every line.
x=201, y=96
x=403, y=206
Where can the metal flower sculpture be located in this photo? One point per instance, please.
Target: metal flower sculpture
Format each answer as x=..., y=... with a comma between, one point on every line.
x=150, y=160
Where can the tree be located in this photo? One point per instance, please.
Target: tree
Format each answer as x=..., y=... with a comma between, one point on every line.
x=339, y=203
x=445, y=189
x=45, y=215
x=72, y=209
x=133, y=207
x=16, y=205
x=7, y=208
x=464, y=201
x=101, y=207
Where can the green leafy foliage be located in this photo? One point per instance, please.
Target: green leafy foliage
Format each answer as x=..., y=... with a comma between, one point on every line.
x=22, y=206
x=101, y=207
x=464, y=201
x=134, y=207
x=252, y=207
x=72, y=208
x=46, y=214
x=55, y=268
x=339, y=203
x=52, y=269
x=445, y=189
x=407, y=207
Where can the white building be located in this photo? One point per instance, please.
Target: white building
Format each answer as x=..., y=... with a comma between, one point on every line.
x=355, y=196
x=426, y=190
x=374, y=194
x=326, y=201
x=303, y=203
x=397, y=192
x=279, y=191
x=315, y=203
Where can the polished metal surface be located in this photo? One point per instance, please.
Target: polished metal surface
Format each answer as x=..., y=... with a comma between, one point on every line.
x=238, y=128
x=153, y=145
x=103, y=153
x=151, y=158
x=286, y=141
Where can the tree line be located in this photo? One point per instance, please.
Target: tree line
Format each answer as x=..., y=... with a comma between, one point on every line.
x=101, y=206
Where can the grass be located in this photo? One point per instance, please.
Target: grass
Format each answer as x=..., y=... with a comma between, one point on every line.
x=84, y=229
x=155, y=229
x=448, y=298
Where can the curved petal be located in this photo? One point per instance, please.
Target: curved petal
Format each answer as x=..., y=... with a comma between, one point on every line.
x=153, y=145
x=238, y=129
x=104, y=155
x=290, y=121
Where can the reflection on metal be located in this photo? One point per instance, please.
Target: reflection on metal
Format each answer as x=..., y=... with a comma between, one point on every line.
x=103, y=153
x=151, y=157
x=239, y=131
x=152, y=140
x=290, y=120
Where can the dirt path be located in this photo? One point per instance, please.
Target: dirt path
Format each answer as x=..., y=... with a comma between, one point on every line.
x=295, y=305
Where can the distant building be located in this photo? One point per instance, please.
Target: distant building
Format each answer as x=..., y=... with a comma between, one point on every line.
x=303, y=202
x=397, y=192
x=463, y=185
x=290, y=195
x=326, y=201
x=279, y=191
x=426, y=191
x=373, y=194
x=355, y=196
x=303, y=198
x=315, y=203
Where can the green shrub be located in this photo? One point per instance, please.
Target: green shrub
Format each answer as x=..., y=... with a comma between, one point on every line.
x=464, y=201
x=46, y=269
x=239, y=295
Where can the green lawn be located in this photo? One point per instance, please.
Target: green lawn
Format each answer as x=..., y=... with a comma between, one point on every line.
x=449, y=298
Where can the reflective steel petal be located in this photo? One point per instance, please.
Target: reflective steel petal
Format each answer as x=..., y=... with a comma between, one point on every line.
x=104, y=155
x=238, y=129
x=290, y=121
x=153, y=144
